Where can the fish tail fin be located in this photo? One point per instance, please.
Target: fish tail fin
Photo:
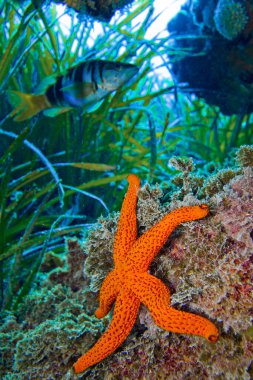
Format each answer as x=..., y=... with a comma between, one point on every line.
x=26, y=105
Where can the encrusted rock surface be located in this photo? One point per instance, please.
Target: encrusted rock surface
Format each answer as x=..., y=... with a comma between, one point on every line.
x=207, y=265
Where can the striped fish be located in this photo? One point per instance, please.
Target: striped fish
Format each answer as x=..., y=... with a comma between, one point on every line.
x=83, y=85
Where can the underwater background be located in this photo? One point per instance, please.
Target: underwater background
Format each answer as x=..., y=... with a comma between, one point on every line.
x=182, y=121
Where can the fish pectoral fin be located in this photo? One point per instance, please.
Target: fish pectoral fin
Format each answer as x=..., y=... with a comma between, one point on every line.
x=79, y=89
x=93, y=106
x=52, y=112
x=45, y=83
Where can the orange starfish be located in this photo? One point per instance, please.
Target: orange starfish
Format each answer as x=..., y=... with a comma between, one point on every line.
x=130, y=284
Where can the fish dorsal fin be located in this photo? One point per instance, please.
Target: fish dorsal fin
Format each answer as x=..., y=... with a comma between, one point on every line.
x=52, y=112
x=45, y=83
x=79, y=90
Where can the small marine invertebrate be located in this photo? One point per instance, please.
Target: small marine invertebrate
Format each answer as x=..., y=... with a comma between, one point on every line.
x=230, y=18
x=130, y=284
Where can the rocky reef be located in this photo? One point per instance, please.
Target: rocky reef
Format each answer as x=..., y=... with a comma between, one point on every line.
x=206, y=264
x=216, y=34
x=102, y=10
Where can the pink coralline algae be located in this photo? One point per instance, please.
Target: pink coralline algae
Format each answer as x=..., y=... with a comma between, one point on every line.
x=218, y=264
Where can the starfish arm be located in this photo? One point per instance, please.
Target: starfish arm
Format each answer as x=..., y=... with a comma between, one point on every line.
x=149, y=244
x=108, y=293
x=156, y=297
x=124, y=317
x=127, y=225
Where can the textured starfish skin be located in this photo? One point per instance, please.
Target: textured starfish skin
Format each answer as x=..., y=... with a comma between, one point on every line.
x=129, y=284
